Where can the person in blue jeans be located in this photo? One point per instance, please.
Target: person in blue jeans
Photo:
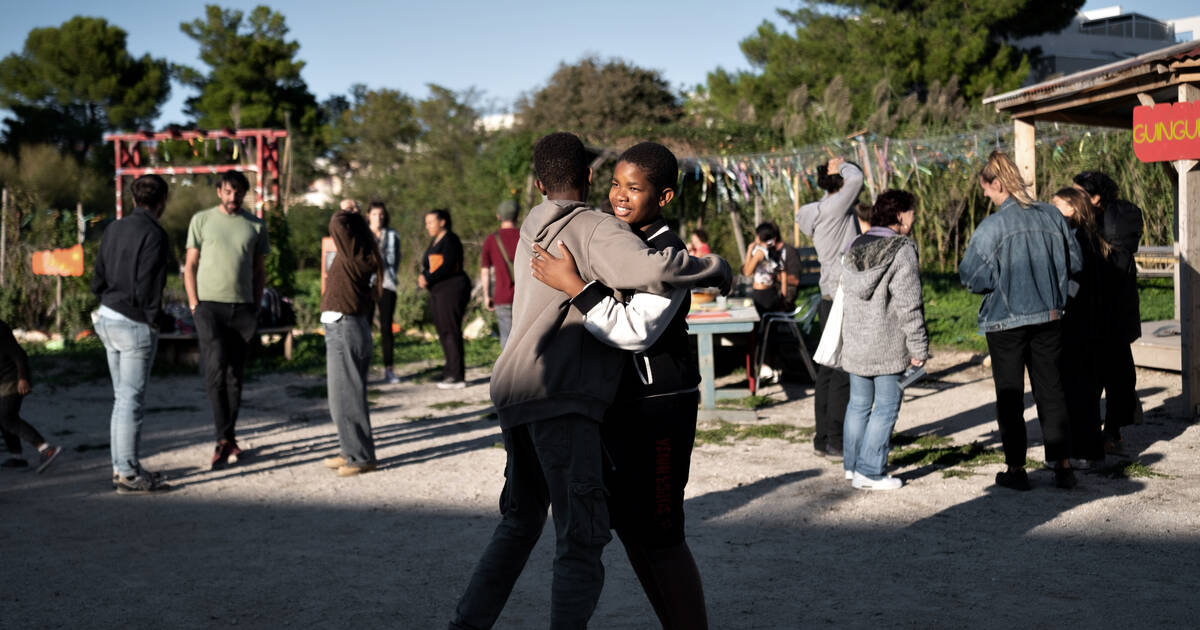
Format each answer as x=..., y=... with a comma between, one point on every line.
x=881, y=282
x=129, y=275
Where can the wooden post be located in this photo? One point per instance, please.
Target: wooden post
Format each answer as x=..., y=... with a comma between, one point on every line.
x=1189, y=270
x=80, y=225
x=1025, y=153
x=757, y=210
x=58, y=305
x=736, y=219
x=796, y=210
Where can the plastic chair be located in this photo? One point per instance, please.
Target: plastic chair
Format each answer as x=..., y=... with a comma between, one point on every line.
x=802, y=316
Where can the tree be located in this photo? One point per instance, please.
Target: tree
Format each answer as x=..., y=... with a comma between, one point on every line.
x=73, y=82
x=253, y=78
x=907, y=45
x=596, y=99
x=373, y=131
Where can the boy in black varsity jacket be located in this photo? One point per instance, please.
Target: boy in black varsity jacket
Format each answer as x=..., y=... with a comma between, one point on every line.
x=552, y=385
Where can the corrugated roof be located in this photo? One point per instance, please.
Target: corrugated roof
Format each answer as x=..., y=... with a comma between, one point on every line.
x=1134, y=66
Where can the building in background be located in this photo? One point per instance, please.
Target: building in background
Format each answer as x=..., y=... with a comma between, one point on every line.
x=1102, y=36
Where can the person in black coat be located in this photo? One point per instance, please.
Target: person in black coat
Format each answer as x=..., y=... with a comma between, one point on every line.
x=449, y=290
x=1083, y=329
x=1118, y=223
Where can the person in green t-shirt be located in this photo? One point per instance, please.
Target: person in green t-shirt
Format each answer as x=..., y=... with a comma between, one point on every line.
x=224, y=275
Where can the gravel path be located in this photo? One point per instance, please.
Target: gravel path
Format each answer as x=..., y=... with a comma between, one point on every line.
x=782, y=541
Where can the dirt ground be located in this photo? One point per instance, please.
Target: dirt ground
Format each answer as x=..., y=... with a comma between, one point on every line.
x=781, y=539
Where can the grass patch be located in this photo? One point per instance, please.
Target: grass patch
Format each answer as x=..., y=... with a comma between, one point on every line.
x=951, y=312
x=955, y=460
x=1133, y=469
x=373, y=396
x=753, y=401
x=311, y=391
x=723, y=432
x=77, y=361
x=453, y=404
x=1156, y=299
x=417, y=418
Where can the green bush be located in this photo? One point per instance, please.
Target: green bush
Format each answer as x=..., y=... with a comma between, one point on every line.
x=281, y=260
x=308, y=225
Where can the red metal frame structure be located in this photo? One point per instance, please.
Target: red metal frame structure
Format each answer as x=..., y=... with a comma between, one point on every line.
x=266, y=141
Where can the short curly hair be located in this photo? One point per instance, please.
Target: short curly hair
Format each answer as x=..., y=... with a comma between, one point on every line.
x=561, y=162
x=890, y=205
x=656, y=161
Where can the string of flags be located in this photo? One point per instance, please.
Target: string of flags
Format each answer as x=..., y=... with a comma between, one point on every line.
x=792, y=175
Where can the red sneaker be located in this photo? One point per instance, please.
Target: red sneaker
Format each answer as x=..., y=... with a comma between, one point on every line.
x=234, y=452
x=220, y=455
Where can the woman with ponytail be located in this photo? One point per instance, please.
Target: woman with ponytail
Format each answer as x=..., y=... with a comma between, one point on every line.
x=1021, y=259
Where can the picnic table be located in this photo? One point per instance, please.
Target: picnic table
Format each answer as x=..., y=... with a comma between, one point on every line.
x=705, y=323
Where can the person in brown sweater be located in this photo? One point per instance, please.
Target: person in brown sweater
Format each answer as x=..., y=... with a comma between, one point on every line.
x=346, y=310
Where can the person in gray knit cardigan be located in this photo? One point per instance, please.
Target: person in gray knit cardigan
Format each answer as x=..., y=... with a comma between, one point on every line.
x=882, y=291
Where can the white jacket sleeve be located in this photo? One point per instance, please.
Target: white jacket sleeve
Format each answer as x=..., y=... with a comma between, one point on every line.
x=634, y=326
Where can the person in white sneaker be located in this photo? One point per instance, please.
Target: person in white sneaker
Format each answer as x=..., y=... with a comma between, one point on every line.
x=881, y=282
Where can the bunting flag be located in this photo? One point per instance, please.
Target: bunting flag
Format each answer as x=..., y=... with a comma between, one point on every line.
x=736, y=179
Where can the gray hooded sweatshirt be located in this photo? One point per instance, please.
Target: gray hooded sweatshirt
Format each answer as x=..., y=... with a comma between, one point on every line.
x=552, y=366
x=883, y=322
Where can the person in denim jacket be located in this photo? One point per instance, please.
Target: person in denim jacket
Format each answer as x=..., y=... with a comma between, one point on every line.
x=1021, y=259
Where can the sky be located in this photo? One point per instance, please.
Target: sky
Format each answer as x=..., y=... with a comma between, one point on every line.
x=503, y=48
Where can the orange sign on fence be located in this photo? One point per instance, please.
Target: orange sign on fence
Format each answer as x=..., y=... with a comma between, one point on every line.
x=59, y=262
x=1167, y=131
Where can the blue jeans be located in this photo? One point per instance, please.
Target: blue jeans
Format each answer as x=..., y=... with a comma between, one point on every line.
x=504, y=320
x=347, y=356
x=130, y=347
x=870, y=416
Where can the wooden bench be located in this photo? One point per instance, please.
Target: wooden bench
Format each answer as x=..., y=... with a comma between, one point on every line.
x=1156, y=261
x=178, y=348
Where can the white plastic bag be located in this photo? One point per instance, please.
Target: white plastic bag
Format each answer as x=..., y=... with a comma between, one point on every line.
x=829, y=351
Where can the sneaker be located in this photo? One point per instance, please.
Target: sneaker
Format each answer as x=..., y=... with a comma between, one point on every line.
x=886, y=482
x=335, y=462
x=14, y=462
x=451, y=384
x=350, y=470
x=819, y=449
x=234, y=452
x=1065, y=478
x=220, y=456
x=833, y=450
x=849, y=475
x=390, y=377
x=1017, y=480
x=156, y=476
x=141, y=483
x=48, y=456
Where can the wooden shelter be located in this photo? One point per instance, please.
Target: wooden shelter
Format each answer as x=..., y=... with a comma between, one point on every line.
x=1106, y=96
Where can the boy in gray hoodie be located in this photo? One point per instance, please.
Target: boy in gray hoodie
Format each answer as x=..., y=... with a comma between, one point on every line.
x=551, y=386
